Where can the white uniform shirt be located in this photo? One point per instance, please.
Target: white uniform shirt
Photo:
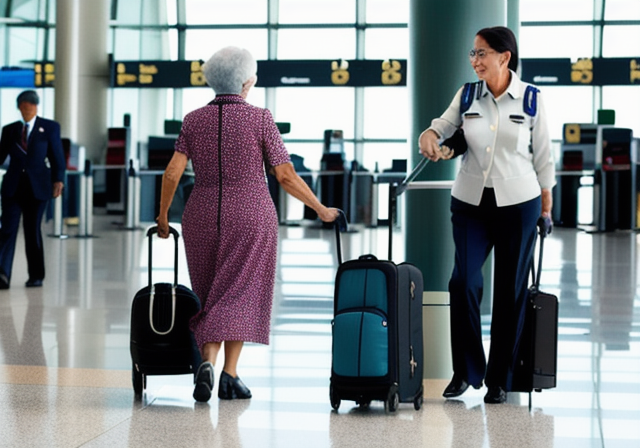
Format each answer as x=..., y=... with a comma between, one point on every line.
x=509, y=150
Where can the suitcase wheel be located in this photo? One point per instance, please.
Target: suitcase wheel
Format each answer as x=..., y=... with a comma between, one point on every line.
x=335, y=399
x=139, y=382
x=419, y=399
x=393, y=399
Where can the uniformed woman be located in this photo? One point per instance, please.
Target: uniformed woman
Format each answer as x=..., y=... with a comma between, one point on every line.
x=503, y=187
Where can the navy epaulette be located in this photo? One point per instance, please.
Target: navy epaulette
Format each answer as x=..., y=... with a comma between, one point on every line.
x=530, y=102
x=470, y=92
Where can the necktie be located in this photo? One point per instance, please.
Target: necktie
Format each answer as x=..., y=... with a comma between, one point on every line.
x=25, y=133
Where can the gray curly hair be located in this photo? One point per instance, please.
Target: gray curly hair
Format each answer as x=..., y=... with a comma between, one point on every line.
x=228, y=69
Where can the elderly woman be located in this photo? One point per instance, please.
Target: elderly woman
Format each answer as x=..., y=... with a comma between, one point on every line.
x=503, y=187
x=230, y=226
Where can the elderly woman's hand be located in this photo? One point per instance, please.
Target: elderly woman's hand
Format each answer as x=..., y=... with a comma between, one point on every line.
x=163, y=227
x=328, y=214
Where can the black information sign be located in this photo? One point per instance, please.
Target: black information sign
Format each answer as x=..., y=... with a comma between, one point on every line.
x=585, y=72
x=289, y=73
x=340, y=72
x=159, y=74
x=353, y=73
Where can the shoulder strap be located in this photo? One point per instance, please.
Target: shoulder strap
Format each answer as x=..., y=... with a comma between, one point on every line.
x=530, y=104
x=470, y=92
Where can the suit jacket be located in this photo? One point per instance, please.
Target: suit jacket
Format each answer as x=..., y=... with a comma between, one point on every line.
x=43, y=162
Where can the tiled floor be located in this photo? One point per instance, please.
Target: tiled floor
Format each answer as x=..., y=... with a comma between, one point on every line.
x=65, y=376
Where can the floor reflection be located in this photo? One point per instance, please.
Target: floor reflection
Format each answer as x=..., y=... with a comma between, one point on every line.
x=65, y=363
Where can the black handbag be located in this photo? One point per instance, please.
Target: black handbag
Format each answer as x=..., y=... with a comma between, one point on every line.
x=457, y=143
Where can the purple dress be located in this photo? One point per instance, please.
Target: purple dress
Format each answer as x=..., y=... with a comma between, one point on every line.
x=230, y=225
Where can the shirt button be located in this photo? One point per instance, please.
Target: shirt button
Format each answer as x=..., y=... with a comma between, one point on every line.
x=488, y=148
x=492, y=127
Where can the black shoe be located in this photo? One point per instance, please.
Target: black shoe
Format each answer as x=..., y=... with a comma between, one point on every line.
x=4, y=281
x=204, y=382
x=495, y=395
x=456, y=387
x=231, y=388
x=33, y=283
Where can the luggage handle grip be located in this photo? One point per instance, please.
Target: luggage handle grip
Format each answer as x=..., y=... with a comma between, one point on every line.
x=154, y=230
x=341, y=225
x=545, y=226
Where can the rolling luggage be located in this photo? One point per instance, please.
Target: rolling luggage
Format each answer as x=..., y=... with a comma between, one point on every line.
x=377, y=346
x=536, y=362
x=161, y=342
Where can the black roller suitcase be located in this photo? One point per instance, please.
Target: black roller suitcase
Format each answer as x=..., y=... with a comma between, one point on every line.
x=377, y=345
x=536, y=362
x=161, y=342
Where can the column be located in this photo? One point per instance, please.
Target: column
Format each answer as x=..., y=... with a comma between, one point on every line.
x=82, y=73
x=441, y=35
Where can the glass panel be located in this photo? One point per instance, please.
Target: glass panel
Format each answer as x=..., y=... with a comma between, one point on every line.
x=557, y=41
x=386, y=112
x=126, y=45
x=571, y=104
x=312, y=110
x=317, y=44
x=622, y=10
x=556, y=10
x=23, y=47
x=172, y=11
x=624, y=100
x=310, y=152
x=209, y=12
x=317, y=11
x=195, y=98
x=201, y=44
x=620, y=41
x=383, y=154
x=25, y=10
x=383, y=43
x=387, y=11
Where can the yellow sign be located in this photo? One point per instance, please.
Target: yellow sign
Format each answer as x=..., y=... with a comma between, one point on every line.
x=635, y=71
x=197, y=77
x=124, y=77
x=45, y=74
x=391, y=73
x=572, y=133
x=340, y=72
x=582, y=71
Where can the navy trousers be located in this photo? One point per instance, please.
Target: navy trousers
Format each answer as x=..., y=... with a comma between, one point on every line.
x=32, y=211
x=511, y=232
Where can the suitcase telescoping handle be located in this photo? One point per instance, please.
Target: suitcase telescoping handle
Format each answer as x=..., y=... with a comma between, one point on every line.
x=545, y=226
x=395, y=190
x=341, y=225
x=154, y=230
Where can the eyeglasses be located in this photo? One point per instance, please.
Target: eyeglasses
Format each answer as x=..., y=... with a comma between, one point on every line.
x=480, y=53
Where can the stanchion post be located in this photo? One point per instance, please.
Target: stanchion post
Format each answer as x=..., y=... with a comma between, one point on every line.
x=133, y=193
x=82, y=206
x=88, y=180
x=85, y=227
x=131, y=202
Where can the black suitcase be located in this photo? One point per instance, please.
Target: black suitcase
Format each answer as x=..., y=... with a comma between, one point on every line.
x=377, y=345
x=161, y=342
x=536, y=362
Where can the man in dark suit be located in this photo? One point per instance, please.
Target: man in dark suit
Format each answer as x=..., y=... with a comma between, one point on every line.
x=35, y=174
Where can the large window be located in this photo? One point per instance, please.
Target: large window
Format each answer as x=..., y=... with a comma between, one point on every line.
x=375, y=120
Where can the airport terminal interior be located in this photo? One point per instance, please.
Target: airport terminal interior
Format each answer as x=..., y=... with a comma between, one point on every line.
x=65, y=362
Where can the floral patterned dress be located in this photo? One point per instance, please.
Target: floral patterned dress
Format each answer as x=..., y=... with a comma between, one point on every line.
x=230, y=225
